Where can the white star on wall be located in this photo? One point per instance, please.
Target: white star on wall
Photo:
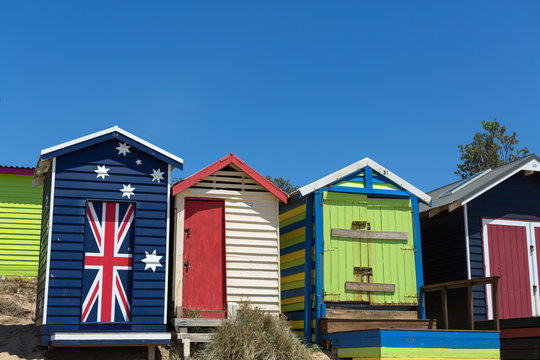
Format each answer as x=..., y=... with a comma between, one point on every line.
x=101, y=171
x=127, y=191
x=152, y=261
x=157, y=175
x=123, y=149
x=138, y=162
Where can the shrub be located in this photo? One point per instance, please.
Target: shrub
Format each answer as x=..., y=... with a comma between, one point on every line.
x=255, y=335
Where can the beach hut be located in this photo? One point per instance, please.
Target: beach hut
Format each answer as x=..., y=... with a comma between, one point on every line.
x=226, y=243
x=20, y=221
x=488, y=225
x=104, y=241
x=351, y=269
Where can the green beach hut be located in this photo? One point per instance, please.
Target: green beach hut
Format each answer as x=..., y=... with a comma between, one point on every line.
x=20, y=221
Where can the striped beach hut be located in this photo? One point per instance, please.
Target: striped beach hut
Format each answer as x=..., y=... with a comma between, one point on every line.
x=226, y=247
x=20, y=221
x=104, y=241
x=351, y=269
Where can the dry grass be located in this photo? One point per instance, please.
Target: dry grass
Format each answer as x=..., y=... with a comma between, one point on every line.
x=255, y=335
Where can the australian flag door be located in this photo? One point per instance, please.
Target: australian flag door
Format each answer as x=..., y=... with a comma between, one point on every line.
x=108, y=262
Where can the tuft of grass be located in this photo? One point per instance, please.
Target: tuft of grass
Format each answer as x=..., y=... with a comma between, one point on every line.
x=255, y=335
x=315, y=348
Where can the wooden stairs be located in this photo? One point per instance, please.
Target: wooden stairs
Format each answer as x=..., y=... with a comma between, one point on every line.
x=345, y=320
x=194, y=330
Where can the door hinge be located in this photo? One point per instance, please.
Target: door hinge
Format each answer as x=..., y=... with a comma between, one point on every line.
x=330, y=249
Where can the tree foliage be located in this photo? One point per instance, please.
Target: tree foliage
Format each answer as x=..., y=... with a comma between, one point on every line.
x=489, y=149
x=283, y=184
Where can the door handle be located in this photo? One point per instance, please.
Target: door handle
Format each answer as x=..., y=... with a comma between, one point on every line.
x=187, y=266
x=188, y=231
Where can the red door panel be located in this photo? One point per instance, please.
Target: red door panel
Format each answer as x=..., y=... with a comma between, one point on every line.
x=204, y=258
x=508, y=258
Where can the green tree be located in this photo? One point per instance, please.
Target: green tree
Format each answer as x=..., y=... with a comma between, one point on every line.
x=283, y=184
x=489, y=149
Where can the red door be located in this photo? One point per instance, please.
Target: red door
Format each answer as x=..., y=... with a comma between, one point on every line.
x=204, y=288
x=508, y=258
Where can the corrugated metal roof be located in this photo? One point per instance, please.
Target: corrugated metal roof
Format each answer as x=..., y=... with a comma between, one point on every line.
x=464, y=190
x=16, y=170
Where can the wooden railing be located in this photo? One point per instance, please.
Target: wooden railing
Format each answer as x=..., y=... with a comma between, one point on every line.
x=443, y=287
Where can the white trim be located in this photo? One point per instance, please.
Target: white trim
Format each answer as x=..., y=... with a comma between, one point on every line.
x=108, y=131
x=531, y=262
x=167, y=243
x=467, y=242
x=535, y=225
x=111, y=336
x=307, y=189
x=49, y=241
x=532, y=165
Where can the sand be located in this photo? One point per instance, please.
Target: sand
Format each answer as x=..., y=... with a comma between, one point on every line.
x=19, y=340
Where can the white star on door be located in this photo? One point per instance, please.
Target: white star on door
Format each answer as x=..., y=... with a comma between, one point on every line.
x=152, y=260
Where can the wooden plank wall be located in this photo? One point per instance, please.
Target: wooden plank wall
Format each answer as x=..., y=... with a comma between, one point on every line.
x=251, y=238
x=20, y=221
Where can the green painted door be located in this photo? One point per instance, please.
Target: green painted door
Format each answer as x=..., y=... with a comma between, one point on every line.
x=347, y=259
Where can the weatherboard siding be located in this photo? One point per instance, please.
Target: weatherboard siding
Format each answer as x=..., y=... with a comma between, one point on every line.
x=75, y=184
x=516, y=198
x=292, y=225
x=251, y=239
x=20, y=221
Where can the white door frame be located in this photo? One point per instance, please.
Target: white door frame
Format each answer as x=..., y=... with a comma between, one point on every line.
x=533, y=266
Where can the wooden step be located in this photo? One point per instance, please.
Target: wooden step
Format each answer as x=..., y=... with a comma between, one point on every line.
x=196, y=338
x=371, y=314
x=331, y=326
x=192, y=322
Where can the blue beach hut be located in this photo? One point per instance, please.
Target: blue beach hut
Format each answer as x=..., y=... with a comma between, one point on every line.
x=104, y=241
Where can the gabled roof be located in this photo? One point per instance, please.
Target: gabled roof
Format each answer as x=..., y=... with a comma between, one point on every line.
x=111, y=133
x=461, y=192
x=220, y=164
x=336, y=176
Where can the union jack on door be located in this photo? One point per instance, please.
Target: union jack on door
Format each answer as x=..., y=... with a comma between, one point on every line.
x=108, y=260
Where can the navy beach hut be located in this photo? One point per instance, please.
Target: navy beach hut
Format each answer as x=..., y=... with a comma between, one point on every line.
x=104, y=241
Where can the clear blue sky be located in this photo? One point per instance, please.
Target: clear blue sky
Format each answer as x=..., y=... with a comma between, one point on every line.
x=297, y=89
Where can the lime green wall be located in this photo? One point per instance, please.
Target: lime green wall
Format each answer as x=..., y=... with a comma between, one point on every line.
x=20, y=223
x=392, y=261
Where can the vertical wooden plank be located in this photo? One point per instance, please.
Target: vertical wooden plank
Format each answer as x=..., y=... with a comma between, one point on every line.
x=307, y=269
x=178, y=251
x=444, y=302
x=470, y=306
x=319, y=243
x=417, y=242
x=495, y=295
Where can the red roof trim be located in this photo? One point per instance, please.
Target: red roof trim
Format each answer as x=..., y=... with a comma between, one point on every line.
x=15, y=170
x=220, y=164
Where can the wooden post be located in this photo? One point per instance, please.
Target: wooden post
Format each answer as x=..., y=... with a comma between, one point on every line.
x=444, y=302
x=186, y=343
x=470, y=306
x=495, y=298
x=151, y=352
